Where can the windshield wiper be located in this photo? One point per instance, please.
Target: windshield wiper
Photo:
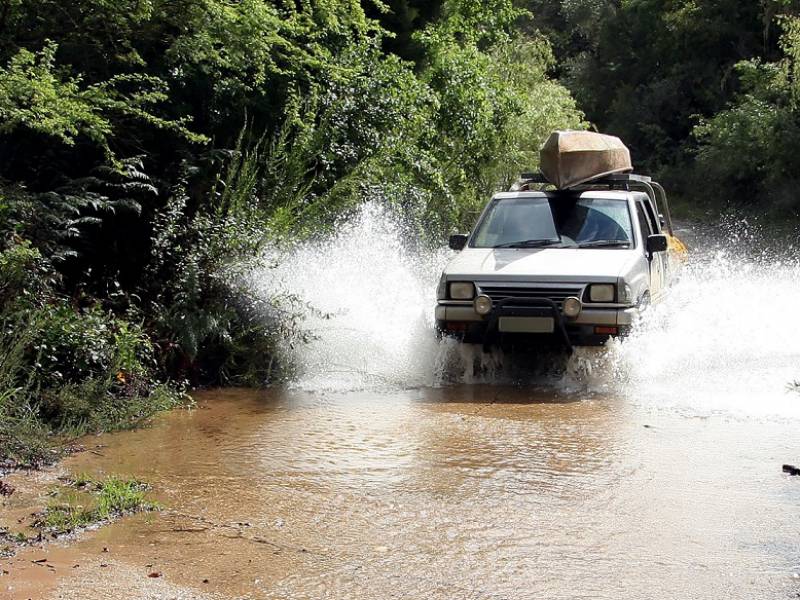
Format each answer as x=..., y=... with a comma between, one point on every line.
x=529, y=244
x=605, y=244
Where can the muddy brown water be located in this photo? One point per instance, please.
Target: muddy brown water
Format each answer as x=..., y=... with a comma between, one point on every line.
x=457, y=492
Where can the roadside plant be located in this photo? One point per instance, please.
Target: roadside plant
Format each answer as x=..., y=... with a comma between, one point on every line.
x=88, y=502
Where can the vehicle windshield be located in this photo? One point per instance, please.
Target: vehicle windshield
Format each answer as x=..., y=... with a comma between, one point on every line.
x=559, y=222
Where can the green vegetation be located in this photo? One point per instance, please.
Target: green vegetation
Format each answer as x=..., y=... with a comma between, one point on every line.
x=751, y=147
x=704, y=93
x=66, y=368
x=86, y=502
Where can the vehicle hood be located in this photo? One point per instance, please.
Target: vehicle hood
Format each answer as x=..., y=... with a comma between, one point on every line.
x=541, y=264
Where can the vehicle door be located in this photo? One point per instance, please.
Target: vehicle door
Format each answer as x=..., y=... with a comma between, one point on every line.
x=657, y=221
x=657, y=261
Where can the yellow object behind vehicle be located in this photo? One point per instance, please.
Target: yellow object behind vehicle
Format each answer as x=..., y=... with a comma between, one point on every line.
x=677, y=249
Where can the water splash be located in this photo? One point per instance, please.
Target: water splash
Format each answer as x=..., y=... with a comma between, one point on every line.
x=727, y=338
x=728, y=335
x=375, y=297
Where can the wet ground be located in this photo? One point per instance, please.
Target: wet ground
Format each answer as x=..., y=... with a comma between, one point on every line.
x=457, y=492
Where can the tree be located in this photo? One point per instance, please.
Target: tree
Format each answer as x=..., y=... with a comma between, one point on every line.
x=644, y=69
x=750, y=150
x=401, y=19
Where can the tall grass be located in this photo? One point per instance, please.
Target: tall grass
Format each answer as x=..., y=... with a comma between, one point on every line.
x=22, y=435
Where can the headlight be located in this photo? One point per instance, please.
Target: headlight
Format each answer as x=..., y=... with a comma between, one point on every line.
x=601, y=293
x=483, y=305
x=572, y=307
x=462, y=291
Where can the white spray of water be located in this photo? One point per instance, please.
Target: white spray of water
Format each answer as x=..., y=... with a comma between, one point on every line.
x=375, y=300
x=727, y=337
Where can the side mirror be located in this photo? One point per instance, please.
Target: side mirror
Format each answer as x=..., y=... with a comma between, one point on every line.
x=657, y=243
x=458, y=241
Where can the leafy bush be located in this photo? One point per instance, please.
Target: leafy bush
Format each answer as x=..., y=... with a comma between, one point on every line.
x=26, y=278
x=63, y=368
x=750, y=151
x=102, y=392
x=209, y=326
x=71, y=345
x=104, y=404
x=34, y=96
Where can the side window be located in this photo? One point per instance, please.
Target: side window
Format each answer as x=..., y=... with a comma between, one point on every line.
x=644, y=223
x=655, y=225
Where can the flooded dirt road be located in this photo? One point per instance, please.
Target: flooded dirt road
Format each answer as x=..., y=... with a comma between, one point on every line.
x=460, y=492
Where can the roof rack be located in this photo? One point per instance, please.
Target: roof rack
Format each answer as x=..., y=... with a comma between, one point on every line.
x=626, y=181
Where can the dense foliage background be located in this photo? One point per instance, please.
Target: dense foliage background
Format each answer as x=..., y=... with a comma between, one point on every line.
x=150, y=148
x=703, y=91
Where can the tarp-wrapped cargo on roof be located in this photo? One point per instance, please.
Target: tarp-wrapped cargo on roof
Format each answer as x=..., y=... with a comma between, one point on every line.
x=570, y=158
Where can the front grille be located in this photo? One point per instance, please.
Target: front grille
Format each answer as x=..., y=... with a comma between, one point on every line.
x=556, y=293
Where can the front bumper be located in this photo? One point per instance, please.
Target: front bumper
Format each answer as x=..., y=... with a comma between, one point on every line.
x=593, y=327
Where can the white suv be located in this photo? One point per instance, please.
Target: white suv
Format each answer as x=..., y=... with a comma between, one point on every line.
x=572, y=267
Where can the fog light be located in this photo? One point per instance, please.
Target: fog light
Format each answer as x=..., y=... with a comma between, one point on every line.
x=483, y=305
x=601, y=293
x=572, y=307
x=462, y=291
